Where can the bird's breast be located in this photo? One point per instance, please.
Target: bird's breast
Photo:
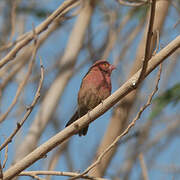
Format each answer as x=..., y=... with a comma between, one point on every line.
x=94, y=88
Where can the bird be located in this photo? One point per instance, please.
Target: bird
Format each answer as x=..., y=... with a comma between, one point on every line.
x=95, y=87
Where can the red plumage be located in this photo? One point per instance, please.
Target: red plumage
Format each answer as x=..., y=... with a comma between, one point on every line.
x=95, y=87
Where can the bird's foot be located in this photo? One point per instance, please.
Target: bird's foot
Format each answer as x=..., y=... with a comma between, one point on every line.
x=89, y=115
x=102, y=102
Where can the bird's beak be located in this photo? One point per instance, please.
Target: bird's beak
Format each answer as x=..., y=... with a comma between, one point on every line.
x=112, y=67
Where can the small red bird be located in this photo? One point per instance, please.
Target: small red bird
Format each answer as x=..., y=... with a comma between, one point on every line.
x=95, y=87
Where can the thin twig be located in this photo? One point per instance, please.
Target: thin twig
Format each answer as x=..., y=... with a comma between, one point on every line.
x=60, y=137
x=39, y=29
x=157, y=42
x=126, y=130
x=11, y=74
x=143, y=167
x=6, y=157
x=57, y=173
x=25, y=35
x=23, y=83
x=29, y=110
x=35, y=176
x=147, y=55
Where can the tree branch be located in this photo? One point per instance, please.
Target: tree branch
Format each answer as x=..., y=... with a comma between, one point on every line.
x=29, y=110
x=25, y=80
x=125, y=131
x=147, y=55
x=57, y=173
x=125, y=89
x=39, y=29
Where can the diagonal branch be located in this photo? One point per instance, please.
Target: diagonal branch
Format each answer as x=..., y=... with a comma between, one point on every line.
x=125, y=89
x=25, y=80
x=57, y=173
x=6, y=157
x=29, y=110
x=147, y=55
x=54, y=93
x=39, y=29
x=143, y=166
x=125, y=131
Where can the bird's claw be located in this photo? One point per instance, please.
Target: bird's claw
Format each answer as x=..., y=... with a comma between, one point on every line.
x=102, y=102
x=89, y=115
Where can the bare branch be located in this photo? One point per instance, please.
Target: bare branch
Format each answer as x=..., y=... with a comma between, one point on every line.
x=59, y=18
x=57, y=173
x=126, y=130
x=29, y=110
x=157, y=43
x=121, y=113
x=52, y=97
x=23, y=83
x=143, y=166
x=6, y=157
x=39, y=29
x=33, y=176
x=147, y=55
x=126, y=88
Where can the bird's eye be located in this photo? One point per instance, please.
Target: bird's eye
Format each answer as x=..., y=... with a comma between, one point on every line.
x=106, y=65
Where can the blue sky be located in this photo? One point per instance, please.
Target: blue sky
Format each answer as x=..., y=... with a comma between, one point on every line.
x=83, y=149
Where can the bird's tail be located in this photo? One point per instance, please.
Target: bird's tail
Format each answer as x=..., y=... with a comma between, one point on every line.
x=83, y=131
x=73, y=119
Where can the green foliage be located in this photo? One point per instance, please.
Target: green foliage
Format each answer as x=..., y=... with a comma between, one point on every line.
x=172, y=95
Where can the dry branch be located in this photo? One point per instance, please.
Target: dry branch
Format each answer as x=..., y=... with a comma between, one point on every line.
x=126, y=88
x=29, y=110
x=23, y=83
x=143, y=166
x=39, y=29
x=5, y=158
x=57, y=173
x=53, y=95
x=126, y=130
x=147, y=55
x=123, y=110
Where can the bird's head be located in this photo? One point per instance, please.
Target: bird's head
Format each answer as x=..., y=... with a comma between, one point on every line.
x=104, y=66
